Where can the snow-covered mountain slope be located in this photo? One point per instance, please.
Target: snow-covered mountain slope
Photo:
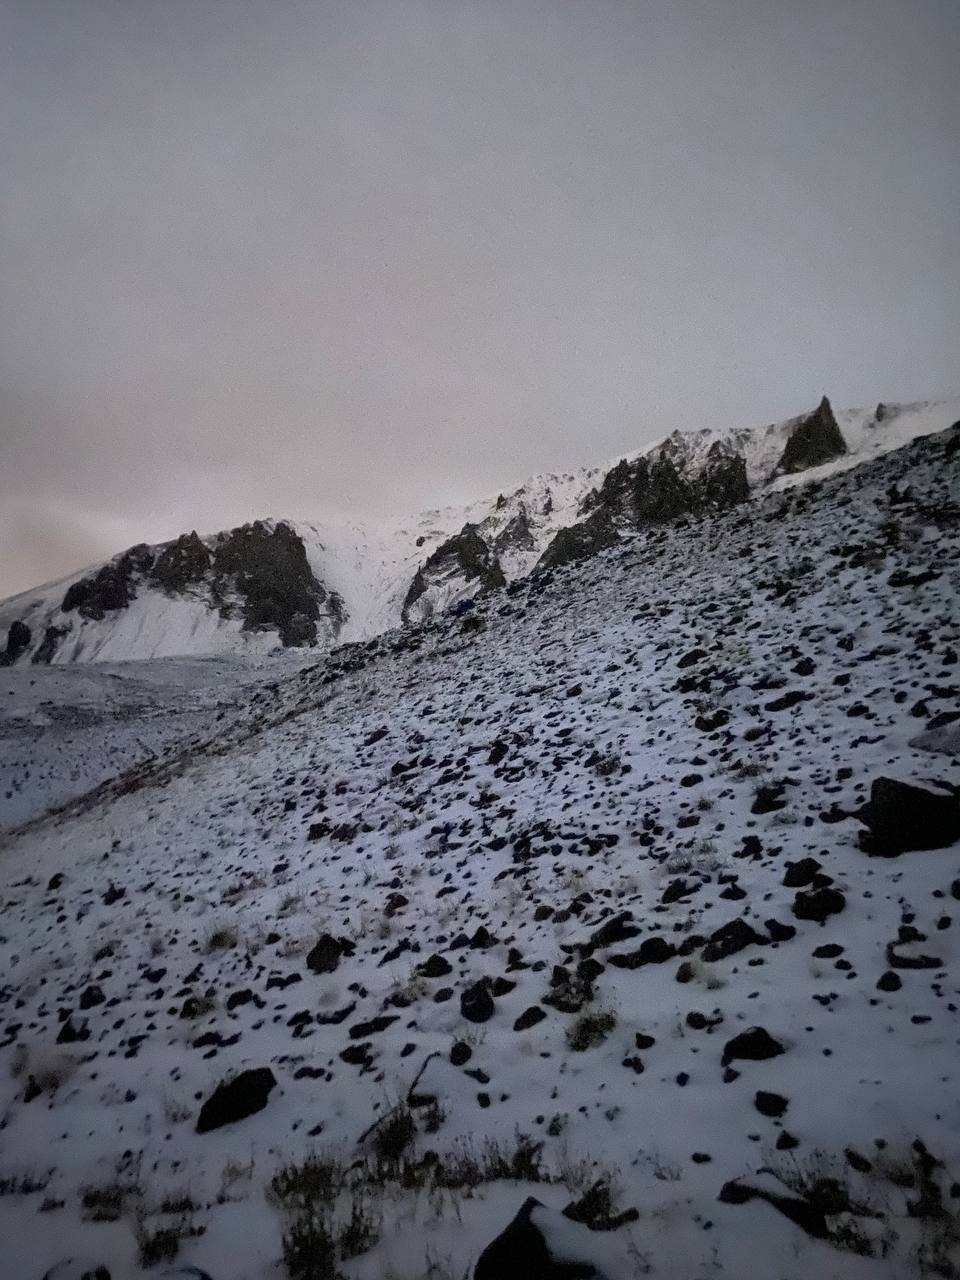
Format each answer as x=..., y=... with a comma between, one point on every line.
x=280, y=583
x=565, y=896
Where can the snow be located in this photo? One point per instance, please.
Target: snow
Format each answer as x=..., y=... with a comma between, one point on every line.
x=372, y=564
x=288, y=816
x=222, y=768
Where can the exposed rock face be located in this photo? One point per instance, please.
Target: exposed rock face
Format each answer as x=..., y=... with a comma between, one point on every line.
x=110, y=588
x=516, y=536
x=181, y=564
x=236, y=1099
x=652, y=489
x=465, y=556
x=579, y=542
x=815, y=439
x=18, y=642
x=268, y=569
x=43, y=654
x=900, y=817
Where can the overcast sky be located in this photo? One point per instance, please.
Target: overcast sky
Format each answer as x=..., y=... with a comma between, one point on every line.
x=273, y=257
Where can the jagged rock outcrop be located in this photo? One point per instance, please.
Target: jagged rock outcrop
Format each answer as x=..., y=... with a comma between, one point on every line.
x=43, y=654
x=649, y=490
x=321, y=585
x=466, y=555
x=517, y=535
x=268, y=569
x=815, y=439
x=181, y=563
x=18, y=642
x=110, y=588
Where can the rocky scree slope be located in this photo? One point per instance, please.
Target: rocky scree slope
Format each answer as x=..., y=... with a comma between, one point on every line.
x=283, y=584
x=614, y=892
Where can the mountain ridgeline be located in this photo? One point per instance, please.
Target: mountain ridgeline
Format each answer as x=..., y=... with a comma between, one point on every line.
x=273, y=584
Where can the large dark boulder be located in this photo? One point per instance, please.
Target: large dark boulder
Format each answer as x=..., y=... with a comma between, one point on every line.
x=521, y=1252
x=754, y=1045
x=235, y=1099
x=476, y=1003
x=818, y=904
x=814, y=440
x=900, y=817
x=325, y=955
x=18, y=642
x=730, y=938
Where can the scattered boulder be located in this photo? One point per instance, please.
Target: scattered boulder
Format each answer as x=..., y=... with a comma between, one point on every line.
x=529, y=1018
x=818, y=904
x=522, y=1251
x=476, y=1003
x=754, y=1045
x=325, y=955
x=731, y=938
x=655, y=950
x=772, y=1105
x=901, y=817
x=236, y=1099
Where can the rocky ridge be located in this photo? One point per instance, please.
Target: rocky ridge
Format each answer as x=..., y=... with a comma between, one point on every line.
x=283, y=584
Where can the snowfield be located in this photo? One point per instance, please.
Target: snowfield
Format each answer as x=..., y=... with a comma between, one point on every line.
x=560, y=895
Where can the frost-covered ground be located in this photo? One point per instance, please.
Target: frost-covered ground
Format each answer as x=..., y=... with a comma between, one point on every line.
x=66, y=729
x=566, y=797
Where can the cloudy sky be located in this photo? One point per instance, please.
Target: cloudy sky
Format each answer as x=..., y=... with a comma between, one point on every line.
x=318, y=259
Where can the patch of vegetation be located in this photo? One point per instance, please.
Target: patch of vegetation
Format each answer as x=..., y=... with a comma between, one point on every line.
x=394, y=1135
x=222, y=939
x=590, y=1029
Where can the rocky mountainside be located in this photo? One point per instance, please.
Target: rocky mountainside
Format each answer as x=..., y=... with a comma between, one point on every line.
x=282, y=584
x=631, y=891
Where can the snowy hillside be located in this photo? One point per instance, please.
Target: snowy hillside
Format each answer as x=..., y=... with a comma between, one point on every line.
x=633, y=888
x=285, y=584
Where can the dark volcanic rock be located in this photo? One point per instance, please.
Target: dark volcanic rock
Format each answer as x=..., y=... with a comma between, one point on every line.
x=520, y=1253
x=901, y=817
x=754, y=1045
x=325, y=955
x=808, y=1217
x=731, y=938
x=18, y=641
x=465, y=555
x=111, y=588
x=43, y=654
x=814, y=440
x=268, y=567
x=579, y=542
x=476, y=1003
x=236, y=1099
x=529, y=1018
x=817, y=904
x=181, y=563
x=655, y=950
x=772, y=1105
